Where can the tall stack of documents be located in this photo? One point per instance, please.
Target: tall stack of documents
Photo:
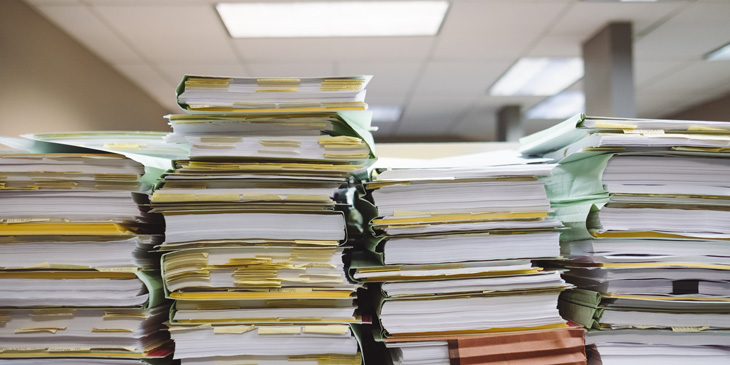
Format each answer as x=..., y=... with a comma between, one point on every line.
x=647, y=203
x=255, y=219
x=78, y=283
x=452, y=266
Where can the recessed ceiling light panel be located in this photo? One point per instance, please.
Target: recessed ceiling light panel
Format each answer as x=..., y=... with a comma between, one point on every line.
x=621, y=1
x=722, y=53
x=333, y=18
x=539, y=76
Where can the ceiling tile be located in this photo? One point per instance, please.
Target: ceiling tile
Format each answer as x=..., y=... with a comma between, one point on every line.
x=172, y=34
x=524, y=101
x=175, y=72
x=86, y=28
x=663, y=104
x=292, y=50
x=689, y=35
x=156, y=86
x=385, y=99
x=646, y=72
x=488, y=30
x=445, y=78
x=431, y=115
x=584, y=19
x=149, y=2
x=388, y=77
x=697, y=78
x=159, y=2
x=717, y=92
x=291, y=69
x=513, y=1
x=557, y=46
x=467, y=79
x=656, y=103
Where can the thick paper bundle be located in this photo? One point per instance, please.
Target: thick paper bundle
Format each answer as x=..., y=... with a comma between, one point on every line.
x=227, y=95
x=646, y=203
x=77, y=275
x=257, y=219
x=453, y=258
x=557, y=346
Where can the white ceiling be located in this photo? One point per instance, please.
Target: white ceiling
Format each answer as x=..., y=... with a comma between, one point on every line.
x=440, y=81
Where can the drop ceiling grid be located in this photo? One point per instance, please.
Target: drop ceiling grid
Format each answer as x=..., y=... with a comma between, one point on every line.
x=466, y=123
x=84, y=26
x=685, y=39
x=176, y=71
x=171, y=38
x=170, y=34
x=451, y=70
x=152, y=41
x=292, y=69
x=390, y=78
x=698, y=29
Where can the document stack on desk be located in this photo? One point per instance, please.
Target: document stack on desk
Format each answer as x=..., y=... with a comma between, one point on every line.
x=78, y=283
x=234, y=95
x=255, y=224
x=647, y=205
x=452, y=266
x=147, y=148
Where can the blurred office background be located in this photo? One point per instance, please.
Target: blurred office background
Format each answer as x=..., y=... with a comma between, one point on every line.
x=114, y=64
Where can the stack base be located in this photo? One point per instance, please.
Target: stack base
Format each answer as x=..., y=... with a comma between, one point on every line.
x=558, y=346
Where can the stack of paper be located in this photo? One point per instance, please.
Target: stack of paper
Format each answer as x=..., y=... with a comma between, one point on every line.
x=647, y=206
x=255, y=221
x=453, y=258
x=77, y=278
x=304, y=137
x=559, y=346
x=204, y=94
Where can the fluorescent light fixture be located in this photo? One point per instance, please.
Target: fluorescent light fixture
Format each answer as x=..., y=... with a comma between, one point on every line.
x=722, y=53
x=332, y=18
x=386, y=114
x=539, y=76
x=560, y=106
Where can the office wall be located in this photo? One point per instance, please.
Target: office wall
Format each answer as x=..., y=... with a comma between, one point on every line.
x=49, y=82
x=717, y=109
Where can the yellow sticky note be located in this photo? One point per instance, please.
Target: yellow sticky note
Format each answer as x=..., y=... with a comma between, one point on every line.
x=689, y=329
x=611, y=125
x=277, y=330
x=63, y=312
x=700, y=128
x=125, y=146
x=40, y=329
x=332, y=329
x=111, y=330
x=233, y=329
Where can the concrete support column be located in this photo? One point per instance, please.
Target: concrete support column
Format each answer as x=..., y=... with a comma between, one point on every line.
x=609, y=77
x=509, y=123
